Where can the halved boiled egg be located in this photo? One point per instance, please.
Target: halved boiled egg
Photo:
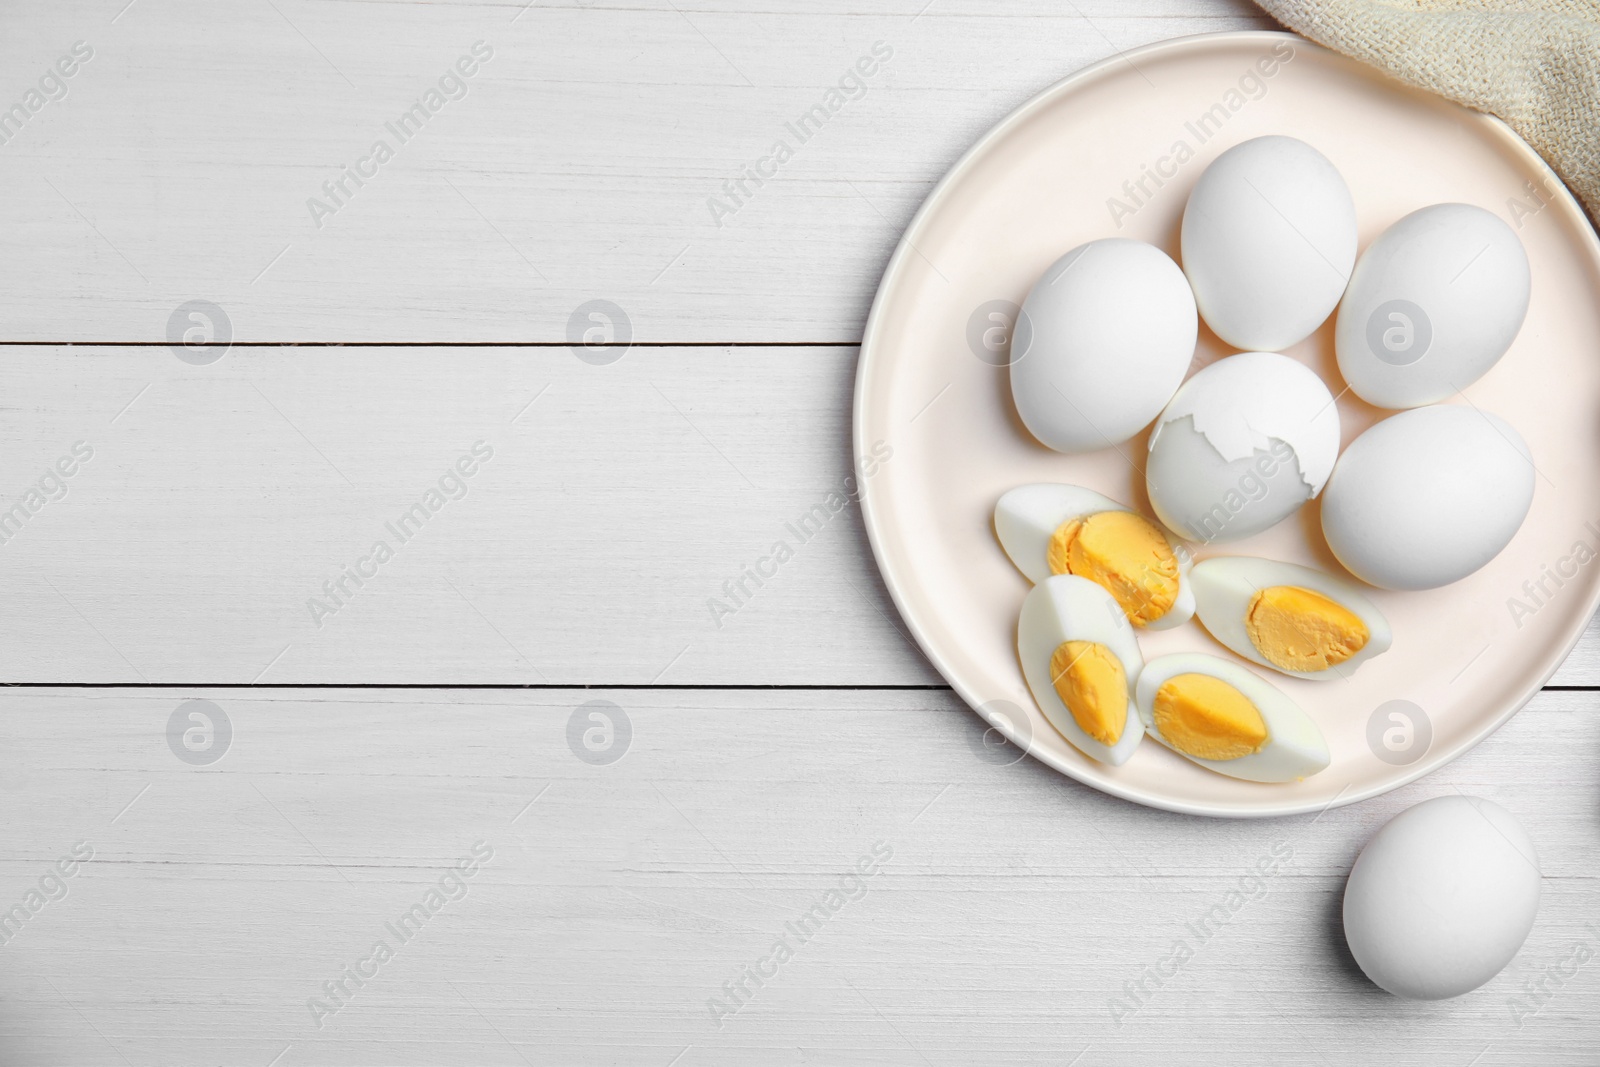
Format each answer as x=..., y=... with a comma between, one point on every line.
x=1081, y=661
x=1065, y=529
x=1225, y=718
x=1295, y=620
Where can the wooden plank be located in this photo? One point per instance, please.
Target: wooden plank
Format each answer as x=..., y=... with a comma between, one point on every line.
x=619, y=503
x=1014, y=907
x=577, y=162
x=601, y=544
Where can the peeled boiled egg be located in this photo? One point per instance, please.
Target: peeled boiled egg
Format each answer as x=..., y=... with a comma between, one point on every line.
x=1241, y=447
x=1295, y=620
x=1442, y=898
x=1102, y=342
x=1434, y=302
x=1428, y=496
x=1081, y=662
x=1269, y=235
x=1065, y=529
x=1227, y=719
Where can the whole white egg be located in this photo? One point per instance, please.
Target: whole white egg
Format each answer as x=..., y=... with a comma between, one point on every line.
x=1442, y=898
x=1242, y=446
x=1102, y=342
x=1428, y=496
x=1269, y=236
x=1434, y=303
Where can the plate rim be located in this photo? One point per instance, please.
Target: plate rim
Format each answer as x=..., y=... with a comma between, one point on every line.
x=865, y=362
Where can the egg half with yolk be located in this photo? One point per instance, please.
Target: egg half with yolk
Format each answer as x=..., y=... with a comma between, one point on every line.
x=1081, y=662
x=1227, y=719
x=1295, y=620
x=1065, y=529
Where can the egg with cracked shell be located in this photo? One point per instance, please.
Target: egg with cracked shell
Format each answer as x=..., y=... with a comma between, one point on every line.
x=1066, y=529
x=1081, y=662
x=1243, y=444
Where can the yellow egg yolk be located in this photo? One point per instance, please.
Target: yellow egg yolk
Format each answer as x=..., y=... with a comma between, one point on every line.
x=1300, y=630
x=1125, y=555
x=1208, y=718
x=1090, y=681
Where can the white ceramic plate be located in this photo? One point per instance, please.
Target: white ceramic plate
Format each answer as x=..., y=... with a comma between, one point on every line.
x=1051, y=176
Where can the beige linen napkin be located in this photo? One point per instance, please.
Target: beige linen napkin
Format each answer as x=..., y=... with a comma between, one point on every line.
x=1535, y=64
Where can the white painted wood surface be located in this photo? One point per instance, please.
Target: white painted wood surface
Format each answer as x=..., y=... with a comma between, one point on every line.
x=219, y=498
x=1015, y=906
x=594, y=547
x=618, y=502
x=578, y=164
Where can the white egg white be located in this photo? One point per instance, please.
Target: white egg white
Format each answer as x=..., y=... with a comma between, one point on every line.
x=1068, y=608
x=1027, y=517
x=1294, y=748
x=1225, y=585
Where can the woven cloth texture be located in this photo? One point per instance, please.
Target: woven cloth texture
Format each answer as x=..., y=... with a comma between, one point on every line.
x=1534, y=64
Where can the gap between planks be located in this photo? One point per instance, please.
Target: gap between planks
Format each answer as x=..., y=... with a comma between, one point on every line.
x=731, y=687
x=556, y=686
x=436, y=344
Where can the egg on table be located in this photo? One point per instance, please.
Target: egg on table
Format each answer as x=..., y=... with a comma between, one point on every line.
x=1426, y=497
x=1102, y=342
x=1433, y=304
x=1243, y=444
x=1442, y=898
x=1295, y=620
x=1081, y=662
x=1227, y=719
x=1269, y=236
x=1065, y=529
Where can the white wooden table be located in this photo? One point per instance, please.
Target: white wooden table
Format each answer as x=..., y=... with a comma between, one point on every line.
x=434, y=712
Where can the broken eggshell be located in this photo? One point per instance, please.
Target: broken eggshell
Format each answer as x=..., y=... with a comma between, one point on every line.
x=1241, y=447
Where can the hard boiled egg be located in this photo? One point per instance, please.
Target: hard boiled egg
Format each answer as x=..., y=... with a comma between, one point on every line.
x=1065, y=529
x=1242, y=446
x=1227, y=719
x=1295, y=620
x=1428, y=496
x=1269, y=235
x=1434, y=302
x=1081, y=662
x=1442, y=898
x=1102, y=342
